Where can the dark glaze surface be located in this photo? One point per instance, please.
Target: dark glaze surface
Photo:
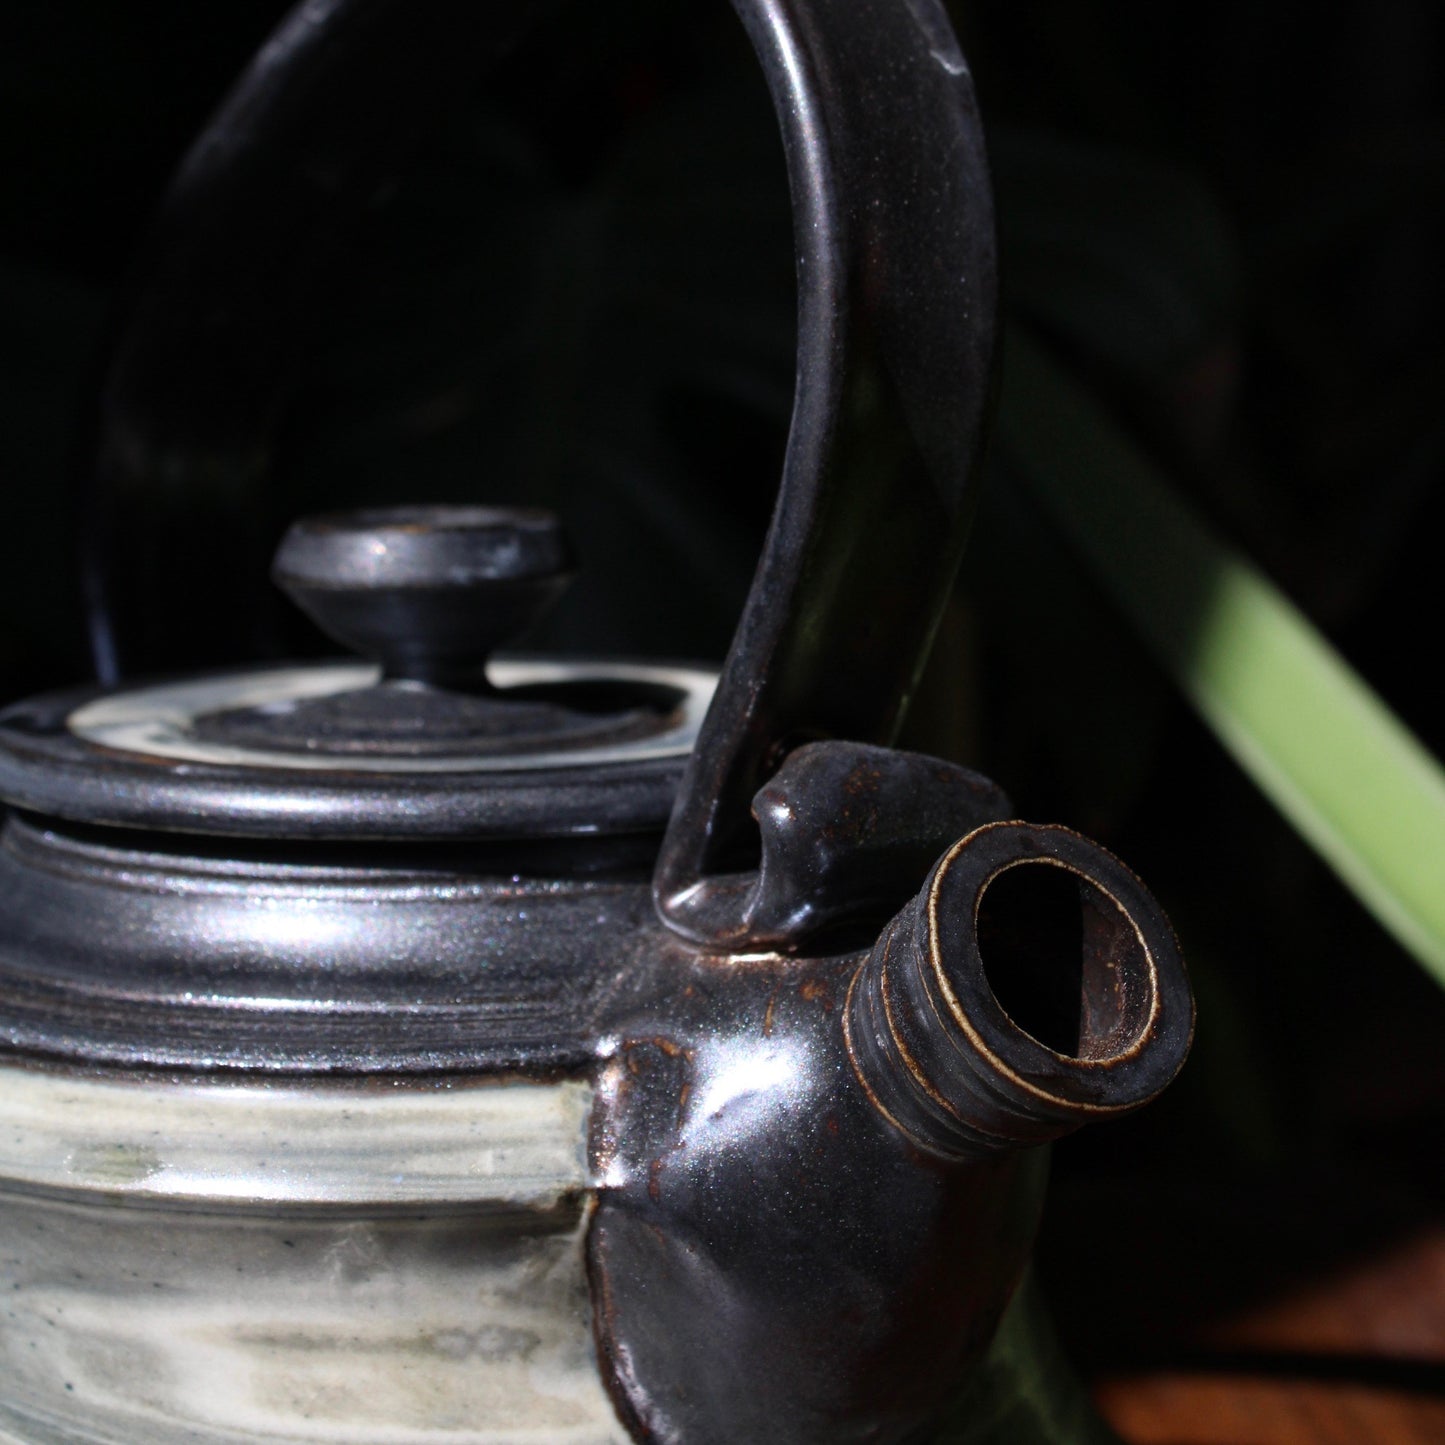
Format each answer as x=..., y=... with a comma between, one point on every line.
x=117, y=952
x=893, y=214
x=847, y=831
x=819, y=1176
x=430, y=592
x=182, y=952
x=46, y=767
x=771, y=1260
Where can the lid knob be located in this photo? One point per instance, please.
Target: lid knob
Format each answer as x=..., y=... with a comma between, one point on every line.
x=427, y=591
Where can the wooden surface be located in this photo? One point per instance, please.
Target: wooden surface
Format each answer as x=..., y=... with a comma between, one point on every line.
x=1348, y=1360
x=1259, y=1305
x=1183, y=1409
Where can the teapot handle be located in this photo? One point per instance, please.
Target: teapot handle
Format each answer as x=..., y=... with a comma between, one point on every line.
x=893, y=216
x=896, y=298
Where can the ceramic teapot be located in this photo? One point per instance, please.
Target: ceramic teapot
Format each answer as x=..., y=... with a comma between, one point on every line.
x=445, y=1047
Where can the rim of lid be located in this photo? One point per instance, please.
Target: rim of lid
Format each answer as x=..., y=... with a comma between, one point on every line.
x=134, y=758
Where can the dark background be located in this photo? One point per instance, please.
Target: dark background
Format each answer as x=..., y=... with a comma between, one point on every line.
x=1226, y=219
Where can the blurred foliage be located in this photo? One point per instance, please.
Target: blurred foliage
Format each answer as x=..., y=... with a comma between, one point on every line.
x=1320, y=745
x=1025, y=1393
x=1223, y=222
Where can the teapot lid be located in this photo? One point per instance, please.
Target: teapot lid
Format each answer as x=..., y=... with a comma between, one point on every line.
x=429, y=738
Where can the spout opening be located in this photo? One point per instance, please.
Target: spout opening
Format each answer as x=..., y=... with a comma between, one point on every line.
x=1064, y=961
x=1033, y=985
x=1066, y=982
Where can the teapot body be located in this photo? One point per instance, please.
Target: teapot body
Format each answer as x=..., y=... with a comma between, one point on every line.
x=296, y=1148
x=328, y=1146
x=409, y=1260
x=547, y=1170
x=447, y=1048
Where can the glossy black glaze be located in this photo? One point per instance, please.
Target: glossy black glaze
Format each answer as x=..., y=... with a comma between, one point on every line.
x=943, y=1060
x=894, y=228
x=847, y=831
x=786, y=1245
x=770, y=1260
x=789, y=1246
x=404, y=720
x=358, y=957
x=896, y=295
x=142, y=951
x=48, y=768
x=429, y=592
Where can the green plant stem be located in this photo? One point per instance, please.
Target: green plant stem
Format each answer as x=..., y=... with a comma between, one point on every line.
x=1346, y=773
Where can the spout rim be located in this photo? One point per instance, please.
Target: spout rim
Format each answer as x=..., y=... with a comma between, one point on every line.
x=1103, y=1085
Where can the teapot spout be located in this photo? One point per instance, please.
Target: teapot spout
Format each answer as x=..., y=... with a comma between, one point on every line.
x=1032, y=986
x=817, y=1189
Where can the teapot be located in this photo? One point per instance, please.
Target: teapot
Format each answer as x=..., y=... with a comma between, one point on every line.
x=440, y=1046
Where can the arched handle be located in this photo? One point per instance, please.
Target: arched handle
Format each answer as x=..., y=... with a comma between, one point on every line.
x=893, y=216
x=896, y=280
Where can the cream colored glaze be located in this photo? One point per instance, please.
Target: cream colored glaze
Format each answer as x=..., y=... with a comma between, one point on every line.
x=157, y=721
x=445, y=1143
x=191, y=1264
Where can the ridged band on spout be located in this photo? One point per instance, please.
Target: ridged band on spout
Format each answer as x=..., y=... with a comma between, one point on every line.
x=1083, y=954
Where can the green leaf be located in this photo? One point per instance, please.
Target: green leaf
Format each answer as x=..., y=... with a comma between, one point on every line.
x=1024, y=1392
x=1348, y=775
